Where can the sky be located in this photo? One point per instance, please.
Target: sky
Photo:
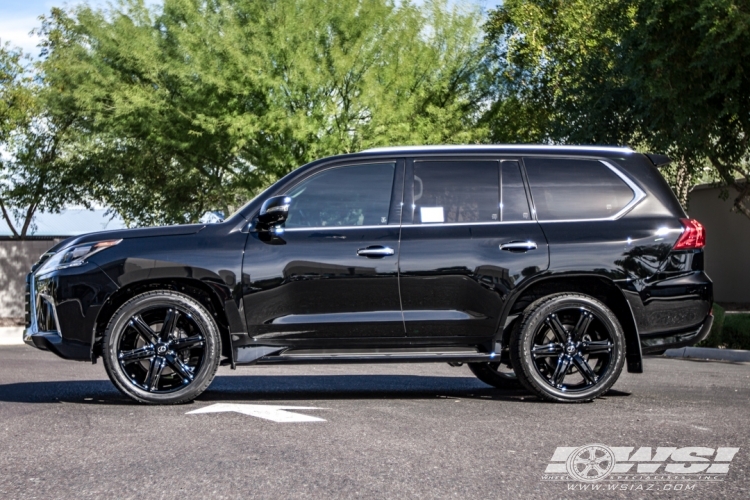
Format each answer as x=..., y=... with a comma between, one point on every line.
x=19, y=17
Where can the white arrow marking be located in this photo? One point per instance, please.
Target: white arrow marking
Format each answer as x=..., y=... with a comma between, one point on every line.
x=268, y=412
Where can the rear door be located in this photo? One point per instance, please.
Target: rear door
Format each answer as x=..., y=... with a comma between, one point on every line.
x=468, y=239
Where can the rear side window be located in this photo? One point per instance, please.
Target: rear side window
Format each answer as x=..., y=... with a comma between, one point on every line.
x=575, y=189
x=456, y=191
x=357, y=195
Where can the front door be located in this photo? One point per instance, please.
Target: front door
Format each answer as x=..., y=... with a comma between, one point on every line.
x=332, y=271
x=468, y=240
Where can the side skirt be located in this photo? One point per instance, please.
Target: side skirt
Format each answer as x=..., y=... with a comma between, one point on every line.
x=261, y=355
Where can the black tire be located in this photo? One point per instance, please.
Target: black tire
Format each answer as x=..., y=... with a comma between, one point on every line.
x=556, y=339
x=492, y=374
x=161, y=347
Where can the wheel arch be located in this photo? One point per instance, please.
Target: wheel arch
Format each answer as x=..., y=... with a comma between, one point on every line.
x=601, y=288
x=196, y=289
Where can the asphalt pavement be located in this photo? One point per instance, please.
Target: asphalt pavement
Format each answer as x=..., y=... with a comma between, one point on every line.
x=378, y=431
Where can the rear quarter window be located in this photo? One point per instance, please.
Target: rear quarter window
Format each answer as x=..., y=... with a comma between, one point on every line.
x=564, y=189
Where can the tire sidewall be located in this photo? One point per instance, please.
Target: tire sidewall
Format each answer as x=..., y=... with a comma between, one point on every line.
x=117, y=326
x=523, y=362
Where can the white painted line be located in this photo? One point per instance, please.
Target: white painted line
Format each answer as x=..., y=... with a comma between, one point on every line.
x=268, y=412
x=11, y=335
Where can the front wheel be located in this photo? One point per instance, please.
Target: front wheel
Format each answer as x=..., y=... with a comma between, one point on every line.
x=568, y=348
x=161, y=347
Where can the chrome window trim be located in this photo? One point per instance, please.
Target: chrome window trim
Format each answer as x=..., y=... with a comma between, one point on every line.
x=395, y=226
x=638, y=196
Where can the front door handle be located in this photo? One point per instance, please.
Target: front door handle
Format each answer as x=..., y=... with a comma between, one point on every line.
x=375, y=252
x=518, y=246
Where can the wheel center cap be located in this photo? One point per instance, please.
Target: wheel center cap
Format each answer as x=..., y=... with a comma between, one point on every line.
x=161, y=348
x=570, y=348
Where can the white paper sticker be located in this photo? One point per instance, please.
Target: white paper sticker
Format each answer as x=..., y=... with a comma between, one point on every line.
x=431, y=214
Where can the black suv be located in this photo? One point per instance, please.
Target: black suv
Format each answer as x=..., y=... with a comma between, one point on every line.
x=545, y=266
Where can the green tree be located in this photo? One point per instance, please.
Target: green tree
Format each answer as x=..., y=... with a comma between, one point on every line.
x=662, y=75
x=199, y=104
x=34, y=176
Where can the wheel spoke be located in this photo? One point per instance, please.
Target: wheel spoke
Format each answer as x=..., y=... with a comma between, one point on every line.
x=585, y=369
x=143, y=329
x=154, y=373
x=559, y=330
x=595, y=346
x=170, y=322
x=180, y=367
x=547, y=350
x=563, y=363
x=182, y=344
x=145, y=352
x=583, y=324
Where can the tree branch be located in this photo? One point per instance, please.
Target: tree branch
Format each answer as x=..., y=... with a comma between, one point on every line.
x=7, y=219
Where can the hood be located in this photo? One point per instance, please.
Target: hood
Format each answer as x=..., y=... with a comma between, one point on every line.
x=144, y=232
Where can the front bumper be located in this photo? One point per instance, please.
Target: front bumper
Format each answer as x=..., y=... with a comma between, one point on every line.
x=659, y=343
x=61, y=310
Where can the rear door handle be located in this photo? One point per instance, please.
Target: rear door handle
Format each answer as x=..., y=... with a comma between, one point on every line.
x=518, y=246
x=375, y=252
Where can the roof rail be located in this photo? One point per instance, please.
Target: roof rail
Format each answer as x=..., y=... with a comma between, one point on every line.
x=469, y=147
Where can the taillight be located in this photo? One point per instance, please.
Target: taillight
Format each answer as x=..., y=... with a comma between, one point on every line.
x=693, y=236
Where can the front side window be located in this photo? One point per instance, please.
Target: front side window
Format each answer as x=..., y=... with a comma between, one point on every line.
x=456, y=191
x=356, y=195
x=575, y=189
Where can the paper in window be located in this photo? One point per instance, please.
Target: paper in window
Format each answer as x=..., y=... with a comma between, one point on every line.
x=431, y=214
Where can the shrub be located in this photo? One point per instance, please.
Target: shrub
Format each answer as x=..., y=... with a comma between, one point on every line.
x=735, y=333
x=714, y=337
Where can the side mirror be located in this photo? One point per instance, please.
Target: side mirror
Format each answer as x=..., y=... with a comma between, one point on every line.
x=274, y=211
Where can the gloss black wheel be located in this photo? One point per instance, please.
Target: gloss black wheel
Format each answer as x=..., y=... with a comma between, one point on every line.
x=161, y=347
x=568, y=348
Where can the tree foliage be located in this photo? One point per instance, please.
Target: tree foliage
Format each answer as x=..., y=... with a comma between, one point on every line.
x=665, y=75
x=199, y=104
x=35, y=175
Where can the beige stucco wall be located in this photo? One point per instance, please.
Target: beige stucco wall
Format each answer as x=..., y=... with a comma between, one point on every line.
x=727, y=243
x=16, y=258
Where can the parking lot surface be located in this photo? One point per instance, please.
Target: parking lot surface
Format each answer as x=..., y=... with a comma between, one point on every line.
x=378, y=431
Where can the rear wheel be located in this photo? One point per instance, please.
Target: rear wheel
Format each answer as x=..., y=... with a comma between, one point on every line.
x=161, y=347
x=568, y=348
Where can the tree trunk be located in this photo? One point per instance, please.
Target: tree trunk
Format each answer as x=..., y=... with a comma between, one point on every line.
x=683, y=181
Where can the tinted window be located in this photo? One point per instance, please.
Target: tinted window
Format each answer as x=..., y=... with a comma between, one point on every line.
x=513, y=202
x=357, y=195
x=575, y=189
x=455, y=191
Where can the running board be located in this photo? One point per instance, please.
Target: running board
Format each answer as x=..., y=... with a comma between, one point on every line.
x=381, y=356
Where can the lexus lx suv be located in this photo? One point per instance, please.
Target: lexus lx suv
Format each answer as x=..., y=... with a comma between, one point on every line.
x=546, y=267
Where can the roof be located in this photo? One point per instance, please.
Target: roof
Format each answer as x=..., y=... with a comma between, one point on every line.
x=499, y=147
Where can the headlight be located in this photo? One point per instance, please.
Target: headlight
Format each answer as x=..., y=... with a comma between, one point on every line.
x=75, y=255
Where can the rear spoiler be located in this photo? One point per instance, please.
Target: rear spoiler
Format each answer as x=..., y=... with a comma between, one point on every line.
x=659, y=160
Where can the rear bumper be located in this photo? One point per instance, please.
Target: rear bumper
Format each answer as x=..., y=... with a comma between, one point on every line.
x=658, y=343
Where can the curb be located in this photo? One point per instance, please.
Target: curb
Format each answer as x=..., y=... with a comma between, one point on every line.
x=11, y=335
x=709, y=353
